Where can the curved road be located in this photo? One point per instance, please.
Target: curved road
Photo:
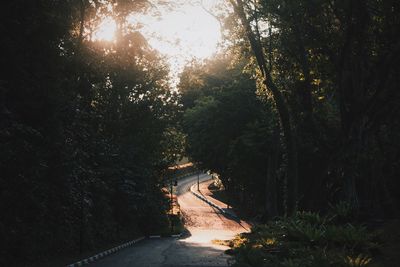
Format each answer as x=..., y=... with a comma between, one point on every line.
x=194, y=250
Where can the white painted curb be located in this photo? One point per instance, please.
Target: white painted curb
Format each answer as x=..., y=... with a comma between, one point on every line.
x=207, y=201
x=105, y=253
x=115, y=249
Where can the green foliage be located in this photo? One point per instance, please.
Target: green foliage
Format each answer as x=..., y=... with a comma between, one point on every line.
x=312, y=218
x=304, y=232
x=323, y=57
x=352, y=237
x=86, y=128
x=306, y=239
x=343, y=212
x=358, y=261
x=227, y=125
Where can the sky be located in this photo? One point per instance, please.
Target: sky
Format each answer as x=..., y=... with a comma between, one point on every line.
x=185, y=33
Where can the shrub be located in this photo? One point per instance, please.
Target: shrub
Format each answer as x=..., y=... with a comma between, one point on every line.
x=307, y=240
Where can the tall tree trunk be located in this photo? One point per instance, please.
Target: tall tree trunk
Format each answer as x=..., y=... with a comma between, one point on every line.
x=271, y=197
x=281, y=106
x=306, y=86
x=351, y=90
x=271, y=209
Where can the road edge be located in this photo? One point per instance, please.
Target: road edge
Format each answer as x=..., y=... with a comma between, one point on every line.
x=127, y=244
x=105, y=253
x=212, y=204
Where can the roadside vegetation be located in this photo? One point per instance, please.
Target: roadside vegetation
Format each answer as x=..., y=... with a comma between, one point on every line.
x=307, y=239
x=86, y=131
x=298, y=114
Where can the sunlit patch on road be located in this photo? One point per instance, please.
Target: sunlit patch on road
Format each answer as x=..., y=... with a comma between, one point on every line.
x=196, y=248
x=205, y=237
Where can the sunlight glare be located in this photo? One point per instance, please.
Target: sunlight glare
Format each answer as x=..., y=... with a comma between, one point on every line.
x=183, y=34
x=106, y=30
x=190, y=29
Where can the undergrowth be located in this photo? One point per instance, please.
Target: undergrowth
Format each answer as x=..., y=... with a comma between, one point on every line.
x=307, y=240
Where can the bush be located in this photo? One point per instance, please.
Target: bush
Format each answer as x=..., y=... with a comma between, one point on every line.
x=342, y=212
x=306, y=239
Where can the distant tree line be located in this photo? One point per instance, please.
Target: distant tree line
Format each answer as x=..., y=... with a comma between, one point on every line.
x=86, y=127
x=303, y=112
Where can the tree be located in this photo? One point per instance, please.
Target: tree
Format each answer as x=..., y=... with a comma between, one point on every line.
x=230, y=131
x=326, y=56
x=85, y=132
x=280, y=103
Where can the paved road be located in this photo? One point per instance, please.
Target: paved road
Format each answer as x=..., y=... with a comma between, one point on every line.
x=195, y=250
